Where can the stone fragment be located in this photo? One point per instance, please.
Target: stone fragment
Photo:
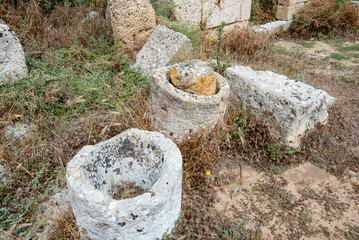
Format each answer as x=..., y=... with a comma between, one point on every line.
x=273, y=27
x=195, y=77
x=163, y=48
x=12, y=58
x=17, y=131
x=131, y=21
x=355, y=3
x=5, y=175
x=177, y=113
x=286, y=12
x=93, y=14
x=290, y=2
x=291, y=107
x=146, y=159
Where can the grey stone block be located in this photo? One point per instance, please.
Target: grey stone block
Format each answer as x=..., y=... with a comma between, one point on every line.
x=273, y=27
x=163, y=48
x=146, y=159
x=291, y=107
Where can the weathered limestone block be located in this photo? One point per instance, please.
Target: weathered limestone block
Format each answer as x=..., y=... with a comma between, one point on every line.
x=195, y=77
x=130, y=20
x=12, y=58
x=215, y=12
x=145, y=159
x=177, y=113
x=291, y=107
x=211, y=13
x=163, y=48
x=286, y=12
x=189, y=11
x=273, y=27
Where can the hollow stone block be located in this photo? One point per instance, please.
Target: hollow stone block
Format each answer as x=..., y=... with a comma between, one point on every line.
x=177, y=113
x=145, y=159
x=291, y=107
x=163, y=48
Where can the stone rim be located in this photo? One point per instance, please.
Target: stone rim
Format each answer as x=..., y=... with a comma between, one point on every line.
x=86, y=190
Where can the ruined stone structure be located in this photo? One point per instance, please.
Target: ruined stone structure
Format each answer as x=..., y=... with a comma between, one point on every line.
x=291, y=107
x=177, y=113
x=210, y=13
x=145, y=159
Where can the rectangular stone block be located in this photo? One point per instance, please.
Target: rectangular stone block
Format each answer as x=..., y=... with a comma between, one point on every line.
x=189, y=11
x=245, y=9
x=287, y=12
x=291, y=107
x=214, y=12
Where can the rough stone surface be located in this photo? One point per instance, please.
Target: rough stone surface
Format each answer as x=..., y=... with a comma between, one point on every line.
x=17, y=131
x=273, y=27
x=12, y=58
x=147, y=159
x=93, y=14
x=291, y=107
x=177, y=113
x=130, y=20
x=195, y=77
x=210, y=13
x=5, y=175
x=355, y=3
x=163, y=48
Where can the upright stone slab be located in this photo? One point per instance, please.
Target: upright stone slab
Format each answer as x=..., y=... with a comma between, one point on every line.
x=12, y=58
x=189, y=11
x=131, y=20
x=163, y=48
x=145, y=160
x=291, y=107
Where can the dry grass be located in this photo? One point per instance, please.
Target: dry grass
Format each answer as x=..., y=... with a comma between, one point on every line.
x=326, y=17
x=59, y=28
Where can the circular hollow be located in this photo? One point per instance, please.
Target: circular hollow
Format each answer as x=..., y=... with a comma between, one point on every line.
x=134, y=160
x=177, y=113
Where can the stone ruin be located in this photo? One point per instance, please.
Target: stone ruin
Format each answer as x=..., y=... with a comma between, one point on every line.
x=178, y=113
x=134, y=161
x=12, y=57
x=291, y=107
x=285, y=9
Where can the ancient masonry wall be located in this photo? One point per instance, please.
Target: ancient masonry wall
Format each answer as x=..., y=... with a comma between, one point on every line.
x=210, y=13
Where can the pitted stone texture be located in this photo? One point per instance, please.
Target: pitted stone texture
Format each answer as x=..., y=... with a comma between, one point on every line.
x=147, y=159
x=5, y=175
x=291, y=107
x=215, y=12
x=273, y=27
x=12, y=58
x=188, y=11
x=195, y=77
x=163, y=48
x=17, y=131
x=177, y=113
x=130, y=20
